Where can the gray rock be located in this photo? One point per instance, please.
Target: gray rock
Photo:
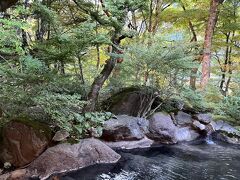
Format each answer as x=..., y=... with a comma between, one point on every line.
x=225, y=137
x=203, y=118
x=60, y=135
x=183, y=118
x=19, y=174
x=162, y=128
x=186, y=134
x=199, y=125
x=67, y=157
x=223, y=126
x=124, y=128
x=225, y=132
x=143, y=143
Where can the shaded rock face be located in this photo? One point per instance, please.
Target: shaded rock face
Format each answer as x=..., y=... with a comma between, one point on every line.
x=67, y=157
x=131, y=101
x=22, y=143
x=203, y=118
x=186, y=134
x=223, y=126
x=225, y=132
x=124, y=128
x=183, y=118
x=226, y=137
x=5, y=4
x=199, y=125
x=162, y=129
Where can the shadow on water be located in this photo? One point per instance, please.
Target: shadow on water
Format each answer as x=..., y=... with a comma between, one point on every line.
x=190, y=161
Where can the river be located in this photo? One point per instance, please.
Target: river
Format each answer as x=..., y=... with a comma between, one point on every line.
x=188, y=161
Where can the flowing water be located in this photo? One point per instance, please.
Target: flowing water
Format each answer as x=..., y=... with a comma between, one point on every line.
x=202, y=160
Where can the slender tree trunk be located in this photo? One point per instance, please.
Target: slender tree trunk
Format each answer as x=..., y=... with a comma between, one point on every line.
x=81, y=69
x=193, y=76
x=150, y=16
x=24, y=34
x=62, y=68
x=99, y=80
x=224, y=68
x=230, y=69
x=206, y=60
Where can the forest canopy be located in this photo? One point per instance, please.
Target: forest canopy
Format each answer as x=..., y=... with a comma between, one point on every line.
x=63, y=58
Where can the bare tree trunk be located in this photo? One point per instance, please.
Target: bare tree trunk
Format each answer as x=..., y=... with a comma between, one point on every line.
x=193, y=76
x=24, y=34
x=62, y=68
x=224, y=68
x=81, y=69
x=206, y=60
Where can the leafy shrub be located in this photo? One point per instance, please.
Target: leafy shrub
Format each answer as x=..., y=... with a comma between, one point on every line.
x=66, y=113
x=59, y=100
x=230, y=106
x=193, y=99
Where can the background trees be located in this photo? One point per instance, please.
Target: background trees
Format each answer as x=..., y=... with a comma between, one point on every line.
x=70, y=52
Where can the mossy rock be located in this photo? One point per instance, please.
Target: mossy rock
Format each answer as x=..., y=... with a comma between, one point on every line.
x=23, y=140
x=131, y=101
x=39, y=128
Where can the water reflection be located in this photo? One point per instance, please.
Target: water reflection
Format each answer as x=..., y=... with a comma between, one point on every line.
x=178, y=162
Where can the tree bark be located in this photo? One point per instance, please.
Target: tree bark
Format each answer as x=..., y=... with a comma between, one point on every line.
x=98, y=83
x=105, y=73
x=224, y=68
x=193, y=76
x=206, y=60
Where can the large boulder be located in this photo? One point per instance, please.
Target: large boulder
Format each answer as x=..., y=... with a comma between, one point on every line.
x=132, y=101
x=137, y=144
x=183, y=118
x=224, y=126
x=226, y=137
x=124, y=128
x=67, y=157
x=204, y=118
x=162, y=128
x=23, y=141
x=186, y=134
x=225, y=132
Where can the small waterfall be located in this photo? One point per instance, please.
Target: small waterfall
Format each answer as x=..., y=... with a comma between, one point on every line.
x=209, y=139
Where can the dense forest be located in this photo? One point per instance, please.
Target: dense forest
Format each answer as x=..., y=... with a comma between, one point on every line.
x=61, y=61
x=62, y=55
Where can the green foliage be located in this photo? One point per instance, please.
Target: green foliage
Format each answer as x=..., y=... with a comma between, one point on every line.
x=230, y=106
x=164, y=63
x=67, y=39
x=10, y=42
x=193, y=99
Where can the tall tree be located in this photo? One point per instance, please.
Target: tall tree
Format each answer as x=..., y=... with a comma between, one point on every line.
x=206, y=59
